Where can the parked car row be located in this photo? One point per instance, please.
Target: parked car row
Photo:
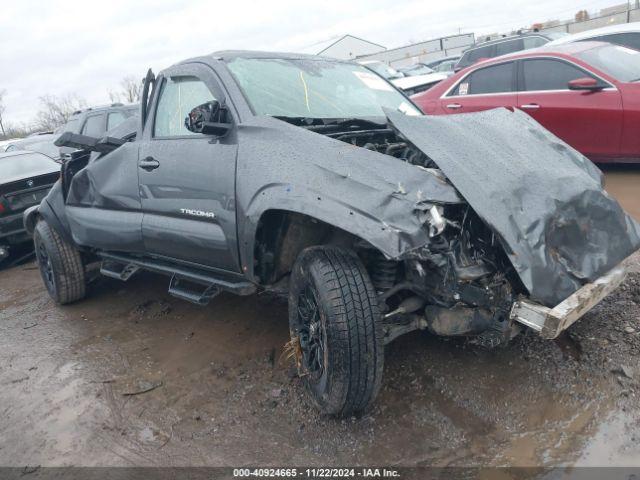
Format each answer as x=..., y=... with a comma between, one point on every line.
x=93, y=121
x=410, y=81
x=503, y=46
x=587, y=93
x=627, y=35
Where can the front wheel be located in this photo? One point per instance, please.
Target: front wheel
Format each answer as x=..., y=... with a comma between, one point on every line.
x=60, y=265
x=335, y=327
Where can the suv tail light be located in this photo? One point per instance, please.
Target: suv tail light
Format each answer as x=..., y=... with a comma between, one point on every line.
x=4, y=208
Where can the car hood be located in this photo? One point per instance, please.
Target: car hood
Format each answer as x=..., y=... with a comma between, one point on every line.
x=544, y=200
x=55, y=169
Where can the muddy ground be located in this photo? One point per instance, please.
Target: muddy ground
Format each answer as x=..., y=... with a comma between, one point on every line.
x=132, y=376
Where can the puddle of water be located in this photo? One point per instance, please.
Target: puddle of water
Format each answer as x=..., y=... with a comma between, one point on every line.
x=616, y=442
x=552, y=438
x=623, y=182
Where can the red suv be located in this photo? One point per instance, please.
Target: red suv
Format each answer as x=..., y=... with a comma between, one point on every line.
x=587, y=93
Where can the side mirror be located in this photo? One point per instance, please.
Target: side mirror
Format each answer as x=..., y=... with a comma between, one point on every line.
x=586, y=83
x=206, y=119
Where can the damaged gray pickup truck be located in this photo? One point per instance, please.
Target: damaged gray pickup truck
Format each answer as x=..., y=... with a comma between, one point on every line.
x=250, y=171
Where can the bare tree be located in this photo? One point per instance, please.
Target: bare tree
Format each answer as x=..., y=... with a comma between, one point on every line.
x=55, y=111
x=582, y=16
x=129, y=91
x=114, y=97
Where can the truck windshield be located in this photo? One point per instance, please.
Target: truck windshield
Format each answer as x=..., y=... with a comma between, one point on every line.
x=315, y=88
x=621, y=63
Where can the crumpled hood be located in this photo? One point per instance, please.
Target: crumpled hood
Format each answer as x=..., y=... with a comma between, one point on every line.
x=543, y=199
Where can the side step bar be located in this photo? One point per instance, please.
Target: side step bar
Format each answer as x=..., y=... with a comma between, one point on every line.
x=194, y=285
x=117, y=270
x=190, y=291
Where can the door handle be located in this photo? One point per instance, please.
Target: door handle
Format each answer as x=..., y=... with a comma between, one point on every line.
x=530, y=106
x=149, y=164
x=454, y=106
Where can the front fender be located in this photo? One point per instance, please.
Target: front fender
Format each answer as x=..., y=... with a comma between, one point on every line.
x=372, y=196
x=391, y=239
x=52, y=209
x=29, y=218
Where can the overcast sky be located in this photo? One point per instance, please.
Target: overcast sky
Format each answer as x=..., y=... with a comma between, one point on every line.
x=85, y=47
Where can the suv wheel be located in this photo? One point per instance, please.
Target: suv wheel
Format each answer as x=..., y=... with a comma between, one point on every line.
x=336, y=329
x=60, y=265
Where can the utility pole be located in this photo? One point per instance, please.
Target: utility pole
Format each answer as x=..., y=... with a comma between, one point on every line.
x=2, y=127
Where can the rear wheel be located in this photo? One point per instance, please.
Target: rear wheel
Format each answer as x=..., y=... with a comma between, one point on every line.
x=60, y=265
x=336, y=330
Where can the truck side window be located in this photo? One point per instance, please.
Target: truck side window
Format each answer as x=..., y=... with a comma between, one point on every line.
x=179, y=95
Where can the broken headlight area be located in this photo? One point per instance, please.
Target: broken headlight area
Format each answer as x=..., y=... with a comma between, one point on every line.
x=460, y=284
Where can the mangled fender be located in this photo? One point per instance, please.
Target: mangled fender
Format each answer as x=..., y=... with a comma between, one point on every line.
x=543, y=199
x=373, y=196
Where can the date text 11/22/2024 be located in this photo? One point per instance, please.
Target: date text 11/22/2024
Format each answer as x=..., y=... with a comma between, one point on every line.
x=362, y=472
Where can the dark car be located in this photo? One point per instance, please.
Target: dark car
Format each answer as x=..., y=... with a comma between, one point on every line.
x=96, y=121
x=450, y=61
x=25, y=179
x=502, y=46
x=317, y=178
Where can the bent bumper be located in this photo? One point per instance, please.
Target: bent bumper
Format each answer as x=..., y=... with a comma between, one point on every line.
x=550, y=322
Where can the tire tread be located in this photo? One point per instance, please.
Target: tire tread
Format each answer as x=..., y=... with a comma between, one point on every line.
x=67, y=265
x=356, y=329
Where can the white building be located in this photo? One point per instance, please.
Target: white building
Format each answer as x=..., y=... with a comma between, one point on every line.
x=347, y=47
x=423, y=51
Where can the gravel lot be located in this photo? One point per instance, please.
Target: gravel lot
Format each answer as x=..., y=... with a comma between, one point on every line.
x=132, y=376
